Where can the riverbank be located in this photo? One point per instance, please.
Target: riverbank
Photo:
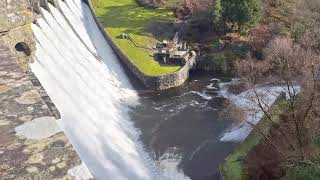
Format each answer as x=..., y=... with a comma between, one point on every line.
x=233, y=167
x=125, y=16
x=155, y=82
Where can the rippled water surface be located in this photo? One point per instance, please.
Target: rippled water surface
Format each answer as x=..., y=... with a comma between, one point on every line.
x=184, y=126
x=119, y=132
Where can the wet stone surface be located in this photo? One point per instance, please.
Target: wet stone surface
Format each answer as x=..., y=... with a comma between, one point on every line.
x=31, y=145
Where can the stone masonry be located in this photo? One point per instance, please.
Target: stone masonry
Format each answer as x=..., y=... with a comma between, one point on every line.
x=32, y=145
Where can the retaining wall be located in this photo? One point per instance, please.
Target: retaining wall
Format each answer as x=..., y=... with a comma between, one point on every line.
x=152, y=82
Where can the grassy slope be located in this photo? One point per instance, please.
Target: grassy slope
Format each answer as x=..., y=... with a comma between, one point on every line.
x=232, y=167
x=125, y=16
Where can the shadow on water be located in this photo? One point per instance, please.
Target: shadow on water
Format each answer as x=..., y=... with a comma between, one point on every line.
x=186, y=118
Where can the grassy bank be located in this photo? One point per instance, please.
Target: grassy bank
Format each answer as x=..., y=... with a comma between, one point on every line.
x=233, y=167
x=125, y=16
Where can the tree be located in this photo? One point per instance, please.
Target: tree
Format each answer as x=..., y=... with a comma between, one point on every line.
x=288, y=64
x=241, y=14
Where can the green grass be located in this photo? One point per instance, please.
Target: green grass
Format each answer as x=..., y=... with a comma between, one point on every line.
x=232, y=168
x=125, y=16
x=306, y=170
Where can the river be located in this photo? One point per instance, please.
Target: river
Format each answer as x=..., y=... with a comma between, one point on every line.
x=120, y=131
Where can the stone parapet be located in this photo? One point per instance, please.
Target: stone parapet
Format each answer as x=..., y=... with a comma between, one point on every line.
x=32, y=145
x=14, y=14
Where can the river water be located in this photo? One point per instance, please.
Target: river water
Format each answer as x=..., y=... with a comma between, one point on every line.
x=120, y=131
x=183, y=126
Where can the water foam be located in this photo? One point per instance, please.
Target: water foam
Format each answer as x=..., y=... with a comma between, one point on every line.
x=92, y=96
x=168, y=164
x=253, y=113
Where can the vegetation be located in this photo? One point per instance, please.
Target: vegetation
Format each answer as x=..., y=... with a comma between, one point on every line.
x=241, y=14
x=275, y=42
x=233, y=166
x=237, y=15
x=125, y=16
x=291, y=149
x=305, y=171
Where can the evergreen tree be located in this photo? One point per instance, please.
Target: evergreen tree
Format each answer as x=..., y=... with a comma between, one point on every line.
x=243, y=14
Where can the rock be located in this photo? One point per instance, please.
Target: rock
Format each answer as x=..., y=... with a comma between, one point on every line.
x=13, y=146
x=52, y=168
x=4, y=122
x=61, y=165
x=3, y=88
x=67, y=177
x=56, y=160
x=29, y=97
x=36, y=158
x=25, y=118
x=32, y=169
x=38, y=128
x=80, y=172
x=30, y=109
x=36, y=147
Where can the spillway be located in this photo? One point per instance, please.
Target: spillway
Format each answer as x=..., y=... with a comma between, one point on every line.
x=84, y=79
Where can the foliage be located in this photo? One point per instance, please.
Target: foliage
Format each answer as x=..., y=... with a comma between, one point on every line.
x=305, y=18
x=233, y=166
x=289, y=64
x=217, y=8
x=241, y=14
x=125, y=16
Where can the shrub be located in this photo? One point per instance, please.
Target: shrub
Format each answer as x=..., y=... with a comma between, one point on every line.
x=241, y=14
x=305, y=172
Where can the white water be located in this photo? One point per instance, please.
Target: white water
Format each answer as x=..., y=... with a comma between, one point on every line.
x=168, y=164
x=92, y=96
x=246, y=101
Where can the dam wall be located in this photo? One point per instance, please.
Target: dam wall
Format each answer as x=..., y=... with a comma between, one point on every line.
x=15, y=20
x=162, y=82
x=32, y=145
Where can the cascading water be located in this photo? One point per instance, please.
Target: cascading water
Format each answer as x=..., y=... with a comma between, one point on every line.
x=82, y=76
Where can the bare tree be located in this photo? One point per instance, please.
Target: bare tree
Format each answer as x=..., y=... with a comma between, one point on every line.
x=294, y=68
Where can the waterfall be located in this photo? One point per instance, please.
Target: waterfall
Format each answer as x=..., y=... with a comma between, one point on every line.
x=91, y=91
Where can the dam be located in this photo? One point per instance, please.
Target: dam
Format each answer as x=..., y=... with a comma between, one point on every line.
x=101, y=112
x=118, y=130
x=91, y=96
x=80, y=101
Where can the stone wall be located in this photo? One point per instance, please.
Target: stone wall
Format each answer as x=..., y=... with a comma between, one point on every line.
x=15, y=26
x=14, y=14
x=32, y=145
x=151, y=82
